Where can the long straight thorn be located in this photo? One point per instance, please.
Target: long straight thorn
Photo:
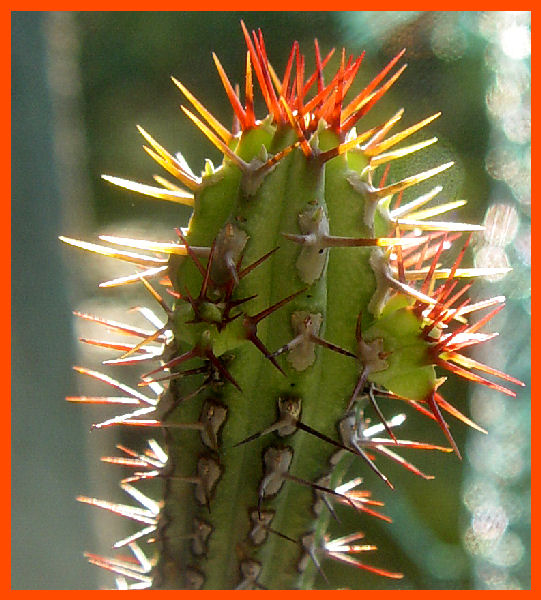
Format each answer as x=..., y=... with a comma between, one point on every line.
x=265, y=313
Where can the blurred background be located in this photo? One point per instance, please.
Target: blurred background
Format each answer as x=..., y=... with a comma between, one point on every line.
x=81, y=81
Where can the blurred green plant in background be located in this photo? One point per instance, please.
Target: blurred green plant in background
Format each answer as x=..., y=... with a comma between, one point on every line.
x=82, y=81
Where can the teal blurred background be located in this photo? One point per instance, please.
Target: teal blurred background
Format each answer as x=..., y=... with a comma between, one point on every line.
x=81, y=81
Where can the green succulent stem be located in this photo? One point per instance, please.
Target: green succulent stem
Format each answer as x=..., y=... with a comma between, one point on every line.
x=299, y=296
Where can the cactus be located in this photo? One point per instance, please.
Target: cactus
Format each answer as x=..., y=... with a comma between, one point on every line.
x=304, y=291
